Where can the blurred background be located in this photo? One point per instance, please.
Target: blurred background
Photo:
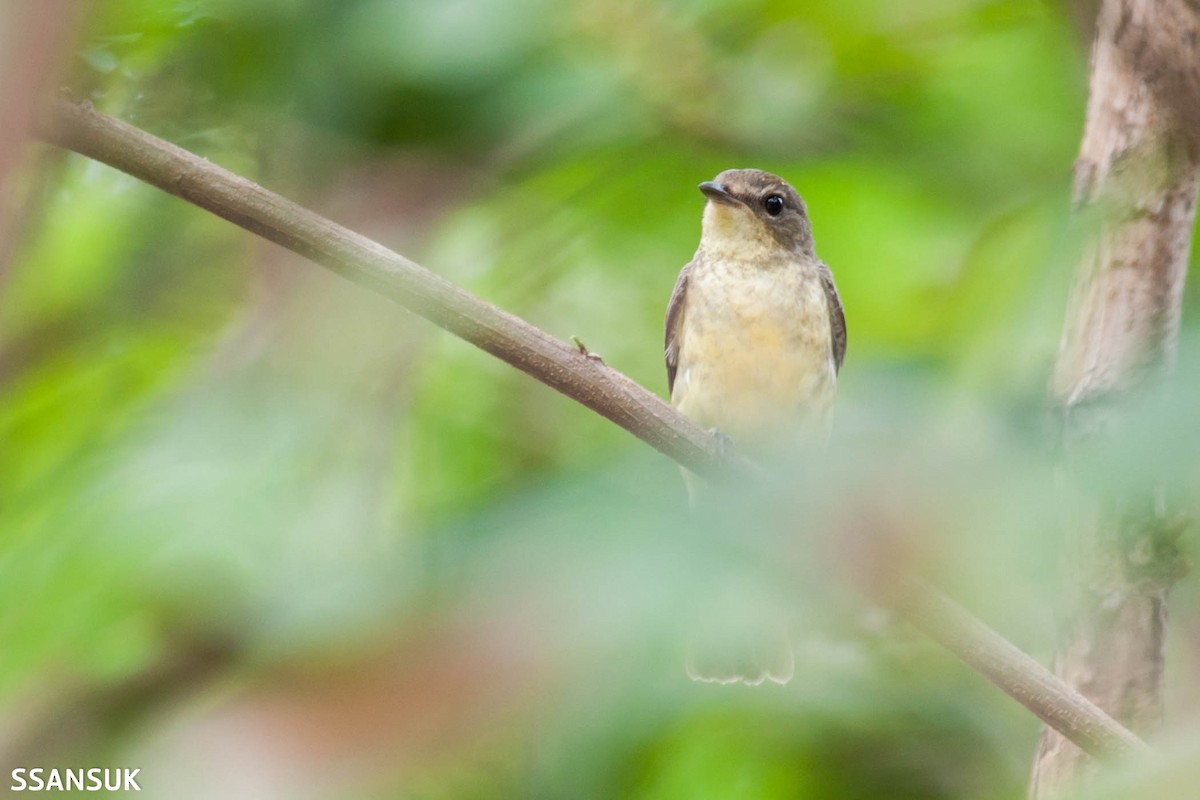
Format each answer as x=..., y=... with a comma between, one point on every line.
x=264, y=534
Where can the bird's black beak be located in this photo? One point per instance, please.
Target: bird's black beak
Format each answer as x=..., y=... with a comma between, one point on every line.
x=717, y=193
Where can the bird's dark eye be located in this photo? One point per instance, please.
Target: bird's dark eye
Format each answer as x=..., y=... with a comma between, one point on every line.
x=773, y=203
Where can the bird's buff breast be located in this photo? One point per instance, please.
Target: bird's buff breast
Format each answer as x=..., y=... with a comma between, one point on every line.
x=755, y=352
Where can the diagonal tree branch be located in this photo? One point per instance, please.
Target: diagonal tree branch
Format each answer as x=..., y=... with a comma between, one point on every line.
x=563, y=367
x=1020, y=675
x=583, y=378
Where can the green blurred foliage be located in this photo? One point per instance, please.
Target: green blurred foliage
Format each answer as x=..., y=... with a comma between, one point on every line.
x=202, y=433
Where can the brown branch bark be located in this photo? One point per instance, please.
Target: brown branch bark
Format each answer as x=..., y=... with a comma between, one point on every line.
x=1136, y=183
x=563, y=367
x=1004, y=664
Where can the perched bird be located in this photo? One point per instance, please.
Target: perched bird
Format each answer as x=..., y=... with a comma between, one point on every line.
x=755, y=334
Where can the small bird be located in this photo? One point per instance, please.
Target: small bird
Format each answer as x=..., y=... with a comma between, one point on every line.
x=755, y=333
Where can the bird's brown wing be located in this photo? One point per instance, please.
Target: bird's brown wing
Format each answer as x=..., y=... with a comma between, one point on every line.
x=674, y=317
x=837, y=318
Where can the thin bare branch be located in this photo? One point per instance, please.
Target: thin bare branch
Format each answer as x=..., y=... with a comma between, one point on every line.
x=1021, y=677
x=559, y=365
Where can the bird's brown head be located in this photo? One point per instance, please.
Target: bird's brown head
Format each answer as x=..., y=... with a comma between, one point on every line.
x=749, y=207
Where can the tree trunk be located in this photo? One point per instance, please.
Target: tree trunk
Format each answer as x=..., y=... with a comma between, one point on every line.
x=1136, y=182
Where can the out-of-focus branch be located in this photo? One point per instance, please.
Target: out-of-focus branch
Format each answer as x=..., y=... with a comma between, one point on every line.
x=1135, y=180
x=38, y=35
x=1156, y=40
x=1159, y=41
x=1136, y=184
x=48, y=724
x=534, y=351
x=1023, y=678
